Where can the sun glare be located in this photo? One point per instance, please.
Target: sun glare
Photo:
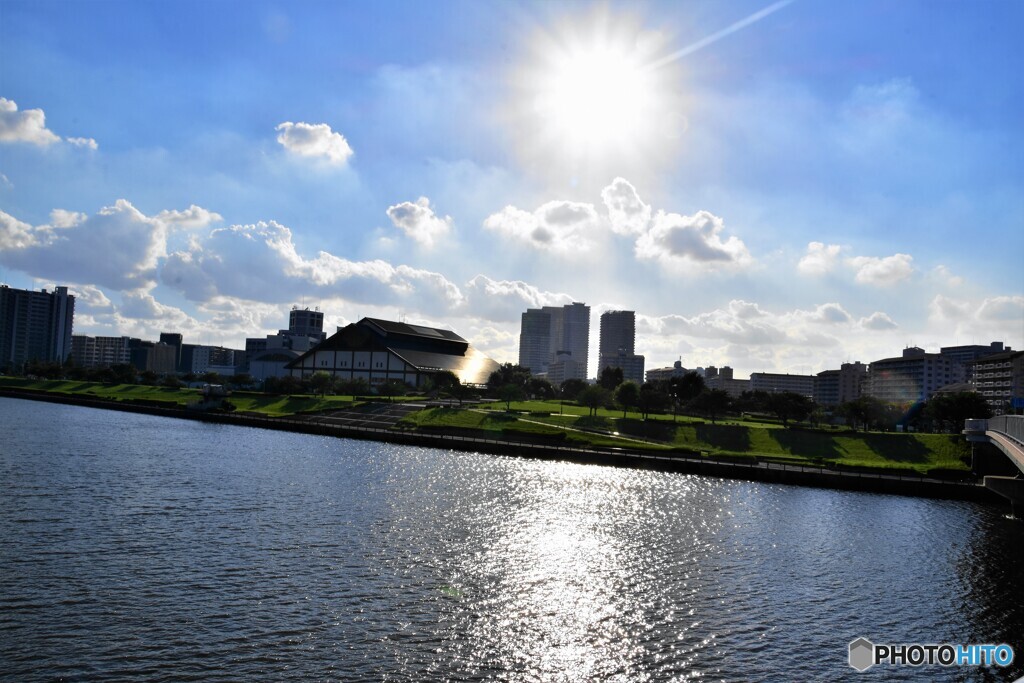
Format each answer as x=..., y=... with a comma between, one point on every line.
x=595, y=98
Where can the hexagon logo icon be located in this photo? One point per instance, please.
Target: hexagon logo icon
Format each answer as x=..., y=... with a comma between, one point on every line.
x=862, y=654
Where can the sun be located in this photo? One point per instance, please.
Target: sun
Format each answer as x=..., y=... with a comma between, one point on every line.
x=592, y=99
x=596, y=97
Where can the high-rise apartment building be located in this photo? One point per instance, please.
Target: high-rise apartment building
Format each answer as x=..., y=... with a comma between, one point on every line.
x=617, y=345
x=535, y=340
x=912, y=377
x=100, y=352
x=35, y=325
x=556, y=334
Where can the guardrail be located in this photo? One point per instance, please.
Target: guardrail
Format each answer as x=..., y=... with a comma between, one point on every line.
x=1010, y=425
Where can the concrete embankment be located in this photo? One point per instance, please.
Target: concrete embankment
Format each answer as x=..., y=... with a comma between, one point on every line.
x=752, y=469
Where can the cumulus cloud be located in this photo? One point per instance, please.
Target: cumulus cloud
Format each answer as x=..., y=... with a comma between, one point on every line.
x=419, y=222
x=691, y=241
x=314, y=140
x=557, y=226
x=944, y=274
x=831, y=313
x=192, y=217
x=260, y=262
x=882, y=272
x=24, y=126
x=118, y=247
x=1002, y=308
x=507, y=299
x=820, y=258
x=87, y=143
x=878, y=321
x=629, y=215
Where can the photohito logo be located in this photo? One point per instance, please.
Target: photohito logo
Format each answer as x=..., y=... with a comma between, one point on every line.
x=865, y=654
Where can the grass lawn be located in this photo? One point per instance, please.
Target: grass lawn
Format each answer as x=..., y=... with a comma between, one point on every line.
x=266, y=404
x=917, y=452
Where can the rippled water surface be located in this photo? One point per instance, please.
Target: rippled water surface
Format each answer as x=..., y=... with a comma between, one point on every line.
x=144, y=548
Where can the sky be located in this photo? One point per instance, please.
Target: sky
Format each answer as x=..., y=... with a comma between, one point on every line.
x=772, y=186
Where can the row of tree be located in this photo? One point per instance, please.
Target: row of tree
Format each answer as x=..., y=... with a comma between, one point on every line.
x=688, y=394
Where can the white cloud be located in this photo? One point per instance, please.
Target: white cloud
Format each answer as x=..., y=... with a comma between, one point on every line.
x=557, y=226
x=87, y=143
x=878, y=321
x=419, y=222
x=946, y=275
x=260, y=262
x=820, y=258
x=882, y=272
x=503, y=300
x=24, y=126
x=61, y=218
x=831, y=313
x=191, y=218
x=693, y=241
x=314, y=140
x=118, y=247
x=629, y=215
x=1003, y=308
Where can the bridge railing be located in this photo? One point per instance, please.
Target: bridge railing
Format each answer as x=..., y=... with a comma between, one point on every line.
x=1010, y=425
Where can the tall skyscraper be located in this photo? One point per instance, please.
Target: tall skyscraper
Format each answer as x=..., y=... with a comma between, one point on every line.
x=535, y=340
x=556, y=334
x=35, y=325
x=617, y=345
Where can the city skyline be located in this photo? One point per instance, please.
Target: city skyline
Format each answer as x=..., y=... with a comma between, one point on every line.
x=778, y=190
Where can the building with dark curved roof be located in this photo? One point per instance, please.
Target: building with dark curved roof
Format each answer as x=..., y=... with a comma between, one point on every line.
x=380, y=350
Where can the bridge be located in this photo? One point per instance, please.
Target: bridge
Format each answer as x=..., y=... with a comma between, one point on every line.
x=1007, y=434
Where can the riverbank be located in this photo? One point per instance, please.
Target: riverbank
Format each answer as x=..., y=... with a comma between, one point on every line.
x=746, y=468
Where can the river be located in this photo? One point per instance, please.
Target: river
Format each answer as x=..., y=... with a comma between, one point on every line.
x=141, y=548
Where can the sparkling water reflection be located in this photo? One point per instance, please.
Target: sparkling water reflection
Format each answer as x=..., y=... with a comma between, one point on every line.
x=141, y=548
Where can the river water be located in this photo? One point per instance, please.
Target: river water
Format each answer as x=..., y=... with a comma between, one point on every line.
x=141, y=548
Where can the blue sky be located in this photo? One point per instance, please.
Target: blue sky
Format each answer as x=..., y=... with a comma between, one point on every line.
x=829, y=181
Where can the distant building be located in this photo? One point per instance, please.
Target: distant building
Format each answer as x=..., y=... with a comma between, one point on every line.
x=835, y=387
x=100, y=352
x=567, y=332
x=565, y=367
x=665, y=374
x=35, y=325
x=999, y=377
x=967, y=354
x=617, y=345
x=774, y=382
x=914, y=376
x=176, y=340
x=199, y=359
x=152, y=356
x=723, y=379
x=303, y=322
x=381, y=350
x=535, y=340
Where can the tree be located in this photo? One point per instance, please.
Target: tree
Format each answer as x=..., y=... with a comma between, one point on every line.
x=864, y=411
x=148, y=377
x=712, y=403
x=610, y=378
x=682, y=390
x=508, y=373
x=212, y=377
x=752, y=402
x=789, y=405
x=570, y=389
x=626, y=395
x=171, y=382
x=538, y=387
x=321, y=381
x=351, y=387
x=242, y=379
x=122, y=373
x=392, y=388
x=511, y=392
x=653, y=399
x=594, y=396
x=948, y=411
